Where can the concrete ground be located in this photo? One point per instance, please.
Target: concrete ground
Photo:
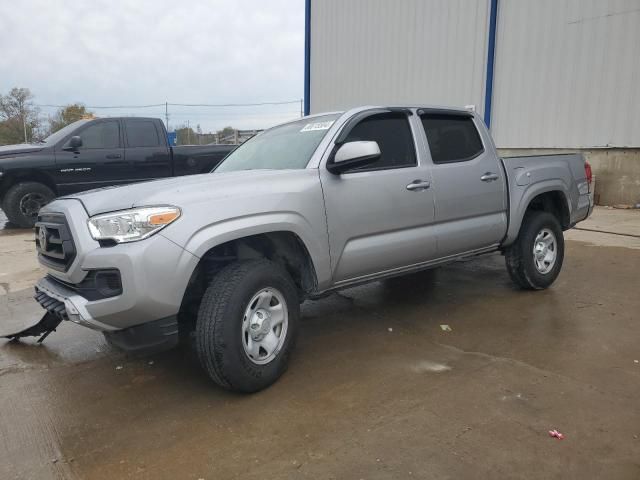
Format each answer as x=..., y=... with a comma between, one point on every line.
x=376, y=389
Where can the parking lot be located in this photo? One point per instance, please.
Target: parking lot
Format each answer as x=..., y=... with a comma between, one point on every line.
x=376, y=389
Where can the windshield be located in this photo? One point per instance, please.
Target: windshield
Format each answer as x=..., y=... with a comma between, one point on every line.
x=288, y=146
x=63, y=132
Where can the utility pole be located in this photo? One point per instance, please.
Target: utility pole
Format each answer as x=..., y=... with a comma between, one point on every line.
x=24, y=126
x=301, y=107
x=166, y=114
x=188, y=133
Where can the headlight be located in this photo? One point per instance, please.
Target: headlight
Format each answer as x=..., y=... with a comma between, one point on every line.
x=131, y=225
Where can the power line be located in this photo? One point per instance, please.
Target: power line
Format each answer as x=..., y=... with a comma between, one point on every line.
x=102, y=106
x=286, y=102
x=220, y=105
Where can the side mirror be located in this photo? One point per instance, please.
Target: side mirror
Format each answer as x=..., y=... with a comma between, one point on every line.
x=74, y=143
x=352, y=155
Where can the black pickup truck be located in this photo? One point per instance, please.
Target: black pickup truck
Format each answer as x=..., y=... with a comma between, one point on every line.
x=90, y=154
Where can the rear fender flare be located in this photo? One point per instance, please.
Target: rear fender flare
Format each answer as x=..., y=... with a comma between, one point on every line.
x=521, y=198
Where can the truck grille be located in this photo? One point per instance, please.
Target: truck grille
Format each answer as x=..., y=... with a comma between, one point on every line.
x=97, y=285
x=54, y=242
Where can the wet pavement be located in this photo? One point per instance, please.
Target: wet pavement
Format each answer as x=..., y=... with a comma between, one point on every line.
x=376, y=389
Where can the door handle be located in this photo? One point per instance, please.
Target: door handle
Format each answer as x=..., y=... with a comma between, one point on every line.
x=489, y=177
x=113, y=156
x=418, y=185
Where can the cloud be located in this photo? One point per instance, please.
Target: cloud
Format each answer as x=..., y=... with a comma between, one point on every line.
x=131, y=53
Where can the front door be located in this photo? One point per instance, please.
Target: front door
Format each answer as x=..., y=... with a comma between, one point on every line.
x=98, y=162
x=378, y=220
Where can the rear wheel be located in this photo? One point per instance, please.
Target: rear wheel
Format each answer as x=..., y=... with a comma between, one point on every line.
x=247, y=325
x=23, y=201
x=535, y=259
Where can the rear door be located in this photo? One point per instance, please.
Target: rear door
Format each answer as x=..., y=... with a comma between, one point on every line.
x=468, y=183
x=147, y=150
x=378, y=221
x=98, y=162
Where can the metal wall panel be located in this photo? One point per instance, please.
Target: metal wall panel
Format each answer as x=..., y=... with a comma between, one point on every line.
x=397, y=51
x=567, y=74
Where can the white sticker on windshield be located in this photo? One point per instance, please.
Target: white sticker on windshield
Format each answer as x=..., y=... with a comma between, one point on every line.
x=311, y=127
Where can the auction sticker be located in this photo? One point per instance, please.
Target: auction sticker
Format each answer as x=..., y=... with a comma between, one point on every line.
x=311, y=127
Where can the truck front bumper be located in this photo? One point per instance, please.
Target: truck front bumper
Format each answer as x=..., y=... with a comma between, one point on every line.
x=154, y=274
x=63, y=304
x=66, y=304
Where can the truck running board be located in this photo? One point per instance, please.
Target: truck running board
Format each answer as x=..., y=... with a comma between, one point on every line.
x=47, y=324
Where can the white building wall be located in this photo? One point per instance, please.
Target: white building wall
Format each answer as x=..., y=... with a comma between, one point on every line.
x=567, y=74
x=397, y=51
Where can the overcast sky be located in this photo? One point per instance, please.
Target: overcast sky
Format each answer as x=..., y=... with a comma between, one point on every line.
x=119, y=52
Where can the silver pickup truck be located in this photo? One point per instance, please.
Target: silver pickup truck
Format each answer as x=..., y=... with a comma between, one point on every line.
x=305, y=208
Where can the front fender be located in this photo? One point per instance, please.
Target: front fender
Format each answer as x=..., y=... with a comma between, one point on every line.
x=212, y=235
x=9, y=178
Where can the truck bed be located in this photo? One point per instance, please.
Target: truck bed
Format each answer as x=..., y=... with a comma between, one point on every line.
x=190, y=159
x=564, y=172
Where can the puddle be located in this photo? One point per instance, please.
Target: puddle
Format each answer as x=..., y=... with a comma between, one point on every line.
x=426, y=366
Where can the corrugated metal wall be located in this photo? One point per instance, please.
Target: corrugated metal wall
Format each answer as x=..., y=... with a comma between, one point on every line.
x=397, y=51
x=567, y=74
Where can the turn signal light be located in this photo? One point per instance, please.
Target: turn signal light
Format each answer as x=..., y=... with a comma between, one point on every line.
x=163, y=218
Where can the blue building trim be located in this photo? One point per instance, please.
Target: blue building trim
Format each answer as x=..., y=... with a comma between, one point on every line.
x=491, y=55
x=307, y=56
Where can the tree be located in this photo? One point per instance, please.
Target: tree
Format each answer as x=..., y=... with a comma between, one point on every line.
x=69, y=114
x=19, y=121
x=185, y=135
x=226, y=135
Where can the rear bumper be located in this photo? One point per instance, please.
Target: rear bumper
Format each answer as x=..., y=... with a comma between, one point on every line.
x=584, y=208
x=591, y=202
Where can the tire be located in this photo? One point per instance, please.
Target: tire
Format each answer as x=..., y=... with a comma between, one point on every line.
x=226, y=335
x=530, y=270
x=23, y=200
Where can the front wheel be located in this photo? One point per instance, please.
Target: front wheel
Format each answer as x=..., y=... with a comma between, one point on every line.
x=535, y=259
x=23, y=201
x=247, y=325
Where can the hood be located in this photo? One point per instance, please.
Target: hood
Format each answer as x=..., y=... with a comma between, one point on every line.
x=181, y=191
x=11, y=150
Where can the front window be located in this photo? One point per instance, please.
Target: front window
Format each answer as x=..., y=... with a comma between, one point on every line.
x=392, y=133
x=288, y=146
x=101, y=135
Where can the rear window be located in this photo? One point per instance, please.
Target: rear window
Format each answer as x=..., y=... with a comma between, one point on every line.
x=452, y=138
x=142, y=133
